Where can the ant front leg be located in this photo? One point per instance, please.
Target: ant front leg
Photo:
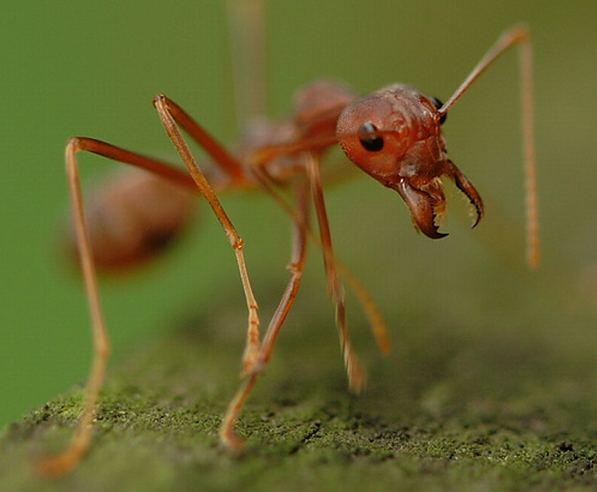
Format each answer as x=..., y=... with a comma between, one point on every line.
x=357, y=378
x=296, y=267
x=170, y=114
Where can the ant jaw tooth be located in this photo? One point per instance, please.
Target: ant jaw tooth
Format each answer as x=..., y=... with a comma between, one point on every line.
x=425, y=207
x=477, y=218
x=467, y=188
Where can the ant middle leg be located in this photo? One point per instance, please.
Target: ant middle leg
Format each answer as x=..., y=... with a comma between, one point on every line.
x=376, y=321
x=356, y=374
x=171, y=115
x=296, y=267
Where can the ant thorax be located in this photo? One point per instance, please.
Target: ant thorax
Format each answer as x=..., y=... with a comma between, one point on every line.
x=280, y=145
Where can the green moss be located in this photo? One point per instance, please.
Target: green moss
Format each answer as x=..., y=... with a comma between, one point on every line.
x=451, y=413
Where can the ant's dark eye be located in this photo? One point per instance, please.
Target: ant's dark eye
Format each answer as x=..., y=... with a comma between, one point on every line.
x=438, y=104
x=369, y=138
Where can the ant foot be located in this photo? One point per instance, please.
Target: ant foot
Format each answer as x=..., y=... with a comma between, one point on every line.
x=56, y=466
x=231, y=441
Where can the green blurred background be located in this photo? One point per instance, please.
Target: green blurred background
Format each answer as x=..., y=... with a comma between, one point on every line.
x=91, y=68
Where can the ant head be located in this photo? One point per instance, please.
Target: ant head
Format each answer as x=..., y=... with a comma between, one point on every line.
x=377, y=131
x=374, y=135
x=394, y=135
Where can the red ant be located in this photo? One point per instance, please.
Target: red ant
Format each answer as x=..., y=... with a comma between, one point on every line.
x=394, y=135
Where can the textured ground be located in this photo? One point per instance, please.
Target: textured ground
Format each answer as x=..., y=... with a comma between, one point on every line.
x=487, y=411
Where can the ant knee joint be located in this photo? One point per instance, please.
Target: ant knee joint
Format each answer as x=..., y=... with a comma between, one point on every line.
x=294, y=269
x=238, y=244
x=520, y=33
x=159, y=99
x=257, y=368
x=74, y=144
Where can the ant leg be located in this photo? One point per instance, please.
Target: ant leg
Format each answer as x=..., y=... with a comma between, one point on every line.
x=160, y=168
x=79, y=444
x=221, y=157
x=70, y=457
x=356, y=374
x=518, y=35
x=296, y=266
x=170, y=114
x=377, y=323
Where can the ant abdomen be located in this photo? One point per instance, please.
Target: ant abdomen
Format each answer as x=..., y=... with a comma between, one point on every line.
x=132, y=218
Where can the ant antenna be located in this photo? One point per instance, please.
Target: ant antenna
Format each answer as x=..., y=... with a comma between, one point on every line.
x=519, y=35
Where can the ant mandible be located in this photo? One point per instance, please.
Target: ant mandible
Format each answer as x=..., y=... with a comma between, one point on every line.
x=394, y=135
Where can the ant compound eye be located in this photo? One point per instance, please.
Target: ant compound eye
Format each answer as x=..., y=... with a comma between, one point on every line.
x=369, y=138
x=438, y=104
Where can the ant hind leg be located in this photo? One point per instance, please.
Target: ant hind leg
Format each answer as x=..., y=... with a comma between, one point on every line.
x=68, y=459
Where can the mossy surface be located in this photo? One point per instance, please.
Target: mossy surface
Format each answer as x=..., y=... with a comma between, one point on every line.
x=448, y=410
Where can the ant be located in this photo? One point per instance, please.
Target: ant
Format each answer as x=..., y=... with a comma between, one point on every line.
x=394, y=135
